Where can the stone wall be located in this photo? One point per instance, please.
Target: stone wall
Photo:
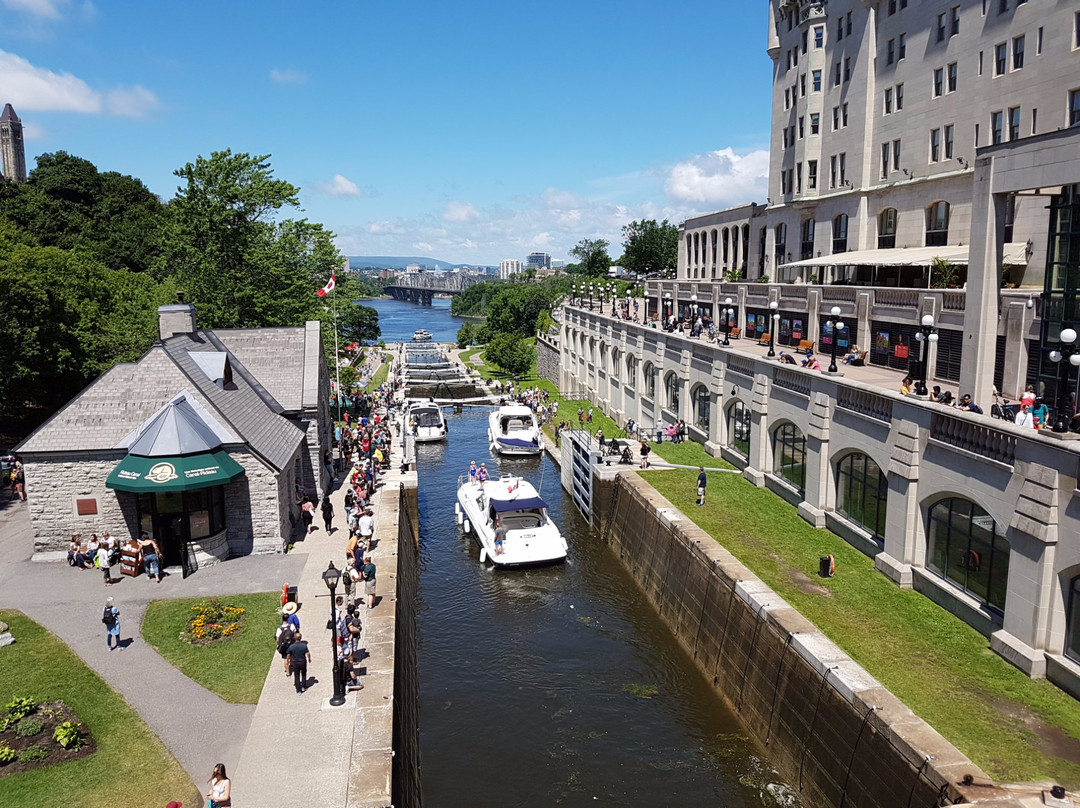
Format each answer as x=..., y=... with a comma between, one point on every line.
x=547, y=359
x=255, y=509
x=406, y=787
x=831, y=730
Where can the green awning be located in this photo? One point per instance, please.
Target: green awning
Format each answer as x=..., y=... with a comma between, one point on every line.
x=145, y=474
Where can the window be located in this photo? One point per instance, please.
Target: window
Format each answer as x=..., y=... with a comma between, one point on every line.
x=781, y=241
x=862, y=492
x=835, y=118
x=899, y=97
x=702, y=406
x=832, y=171
x=980, y=63
x=901, y=47
x=1003, y=6
x=816, y=76
x=888, y=100
x=896, y=155
x=1074, y=107
x=785, y=138
x=950, y=71
x=886, y=229
x=815, y=123
x=631, y=371
x=648, y=375
x=939, y=82
x=976, y=136
x=999, y=59
x=788, y=54
x=1014, y=123
x=948, y=141
x=885, y=153
x=997, y=120
x=847, y=31
x=802, y=128
x=1038, y=42
x=802, y=84
x=940, y=27
x=783, y=183
x=806, y=245
x=795, y=57
x=789, y=455
x=954, y=21
x=819, y=36
x=738, y=428
x=615, y=363
x=890, y=51
x=1072, y=622
x=892, y=7
x=1018, y=53
x=937, y=224
x=964, y=547
x=787, y=98
x=811, y=174
x=1034, y=121
x=843, y=114
x=847, y=68
x=798, y=178
x=935, y=145
x=836, y=74
x=1076, y=30
x=805, y=34
x=839, y=29
x=1010, y=217
x=839, y=233
x=843, y=167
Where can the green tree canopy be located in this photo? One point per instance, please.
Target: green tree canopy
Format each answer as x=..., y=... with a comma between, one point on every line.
x=649, y=247
x=511, y=353
x=593, y=258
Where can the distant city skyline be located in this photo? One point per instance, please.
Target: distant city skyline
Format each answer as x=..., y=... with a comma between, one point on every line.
x=401, y=145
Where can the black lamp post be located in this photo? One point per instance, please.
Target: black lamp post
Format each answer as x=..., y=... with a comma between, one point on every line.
x=331, y=578
x=727, y=311
x=627, y=304
x=590, y=296
x=667, y=308
x=1066, y=348
x=774, y=318
x=925, y=335
x=837, y=326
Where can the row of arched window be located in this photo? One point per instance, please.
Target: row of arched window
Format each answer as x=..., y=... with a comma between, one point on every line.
x=708, y=252
x=937, y=231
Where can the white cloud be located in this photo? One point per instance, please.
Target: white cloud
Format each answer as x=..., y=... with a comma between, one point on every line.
x=422, y=246
x=287, y=76
x=386, y=228
x=460, y=212
x=27, y=87
x=34, y=131
x=340, y=186
x=38, y=8
x=720, y=178
x=131, y=102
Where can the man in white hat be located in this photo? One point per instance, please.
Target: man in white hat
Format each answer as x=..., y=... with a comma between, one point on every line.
x=289, y=614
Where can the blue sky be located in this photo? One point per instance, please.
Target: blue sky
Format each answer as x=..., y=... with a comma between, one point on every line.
x=469, y=132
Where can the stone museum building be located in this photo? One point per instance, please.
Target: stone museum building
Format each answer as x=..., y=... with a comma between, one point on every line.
x=208, y=443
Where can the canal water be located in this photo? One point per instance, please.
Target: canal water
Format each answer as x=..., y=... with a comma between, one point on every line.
x=398, y=319
x=558, y=686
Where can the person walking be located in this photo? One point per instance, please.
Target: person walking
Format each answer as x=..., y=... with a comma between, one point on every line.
x=285, y=636
x=110, y=616
x=308, y=513
x=299, y=657
x=151, y=556
x=369, y=581
x=219, y=794
x=701, y=482
x=366, y=526
x=328, y=514
x=645, y=449
x=103, y=553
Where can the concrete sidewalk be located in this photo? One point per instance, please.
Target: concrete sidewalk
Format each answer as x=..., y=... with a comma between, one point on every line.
x=300, y=751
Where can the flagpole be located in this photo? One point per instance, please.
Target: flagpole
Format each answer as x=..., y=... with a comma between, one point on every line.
x=337, y=354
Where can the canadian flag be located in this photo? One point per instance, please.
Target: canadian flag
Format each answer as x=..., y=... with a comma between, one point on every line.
x=329, y=286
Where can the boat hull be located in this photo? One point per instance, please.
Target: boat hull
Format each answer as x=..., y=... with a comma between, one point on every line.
x=539, y=546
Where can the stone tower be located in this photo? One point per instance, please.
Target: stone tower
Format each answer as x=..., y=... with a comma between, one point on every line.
x=12, y=152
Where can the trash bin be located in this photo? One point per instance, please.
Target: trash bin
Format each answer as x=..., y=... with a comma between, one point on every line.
x=827, y=566
x=290, y=595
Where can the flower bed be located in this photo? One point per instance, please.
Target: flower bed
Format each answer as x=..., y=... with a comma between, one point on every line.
x=213, y=621
x=35, y=735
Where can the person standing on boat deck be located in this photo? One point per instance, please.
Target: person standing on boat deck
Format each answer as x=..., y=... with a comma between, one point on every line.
x=482, y=473
x=500, y=536
x=472, y=471
x=701, y=481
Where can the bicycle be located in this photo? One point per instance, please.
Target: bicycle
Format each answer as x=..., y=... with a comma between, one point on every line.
x=1002, y=408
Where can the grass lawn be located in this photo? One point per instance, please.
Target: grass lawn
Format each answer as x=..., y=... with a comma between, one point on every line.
x=236, y=668
x=380, y=376
x=1017, y=729
x=688, y=453
x=130, y=767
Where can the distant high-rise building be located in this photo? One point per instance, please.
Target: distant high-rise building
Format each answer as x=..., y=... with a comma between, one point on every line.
x=511, y=266
x=538, y=260
x=12, y=152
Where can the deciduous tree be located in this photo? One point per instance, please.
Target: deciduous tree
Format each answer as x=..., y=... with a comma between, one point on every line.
x=593, y=258
x=649, y=247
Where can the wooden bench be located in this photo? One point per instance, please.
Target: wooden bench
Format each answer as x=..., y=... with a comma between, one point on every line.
x=735, y=333
x=805, y=346
x=860, y=360
x=764, y=339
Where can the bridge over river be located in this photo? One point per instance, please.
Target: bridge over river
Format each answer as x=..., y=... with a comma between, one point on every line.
x=421, y=288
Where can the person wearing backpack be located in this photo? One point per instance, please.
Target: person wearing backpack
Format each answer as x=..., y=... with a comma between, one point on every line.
x=110, y=616
x=284, y=637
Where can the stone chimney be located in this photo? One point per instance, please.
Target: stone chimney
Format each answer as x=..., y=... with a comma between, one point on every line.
x=176, y=318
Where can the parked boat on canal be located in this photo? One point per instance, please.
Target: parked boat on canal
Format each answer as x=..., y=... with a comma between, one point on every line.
x=426, y=421
x=509, y=521
x=513, y=430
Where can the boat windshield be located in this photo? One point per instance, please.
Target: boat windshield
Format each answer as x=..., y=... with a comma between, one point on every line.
x=428, y=418
x=516, y=423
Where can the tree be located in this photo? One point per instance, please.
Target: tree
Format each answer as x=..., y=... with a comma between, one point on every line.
x=515, y=307
x=649, y=247
x=593, y=257
x=358, y=323
x=513, y=354
x=466, y=335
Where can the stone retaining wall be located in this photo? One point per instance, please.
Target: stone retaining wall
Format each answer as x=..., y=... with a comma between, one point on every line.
x=547, y=359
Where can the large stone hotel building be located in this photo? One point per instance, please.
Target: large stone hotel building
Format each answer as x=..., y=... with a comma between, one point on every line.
x=924, y=178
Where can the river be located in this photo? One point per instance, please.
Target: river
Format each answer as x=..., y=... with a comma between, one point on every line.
x=558, y=686
x=399, y=319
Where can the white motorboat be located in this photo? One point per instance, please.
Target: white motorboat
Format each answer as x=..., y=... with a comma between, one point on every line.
x=421, y=335
x=509, y=506
x=513, y=430
x=426, y=421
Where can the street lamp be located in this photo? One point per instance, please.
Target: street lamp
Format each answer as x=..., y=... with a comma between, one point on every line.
x=627, y=304
x=331, y=577
x=774, y=319
x=728, y=311
x=667, y=304
x=926, y=334
x=1066, y=347
x=600, y=294
x=590, y=296
x=837, y=326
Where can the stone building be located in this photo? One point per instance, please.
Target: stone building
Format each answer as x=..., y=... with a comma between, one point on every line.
x=12, y=149
x=205, y=443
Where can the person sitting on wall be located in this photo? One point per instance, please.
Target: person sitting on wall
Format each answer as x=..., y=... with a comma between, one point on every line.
x=968, y=405
x=786, y=358
x=811, y=362
x=76, y=557
x=905, y=386
x=935, y=394
x=946, y=398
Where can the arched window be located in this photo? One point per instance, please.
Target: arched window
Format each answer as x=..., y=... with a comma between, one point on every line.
x=862, y=489
x=789, y=455
x=631, y=370
x=603, y=357
x=702, y=406
x=1072, y=621
x=839, y=233
x=671, y=389
x=648, y=375
x=715, y=239
x=615, y=363
x=689, y=252
x=738, y=428
x=965, y=548
x=937, y=224
x=806, y=244
x=745, y=247
x=886, y=229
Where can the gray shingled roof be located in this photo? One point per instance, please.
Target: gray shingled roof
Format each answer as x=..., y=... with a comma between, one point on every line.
x=9, y=114
x=181, y=427
x=276, y=356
